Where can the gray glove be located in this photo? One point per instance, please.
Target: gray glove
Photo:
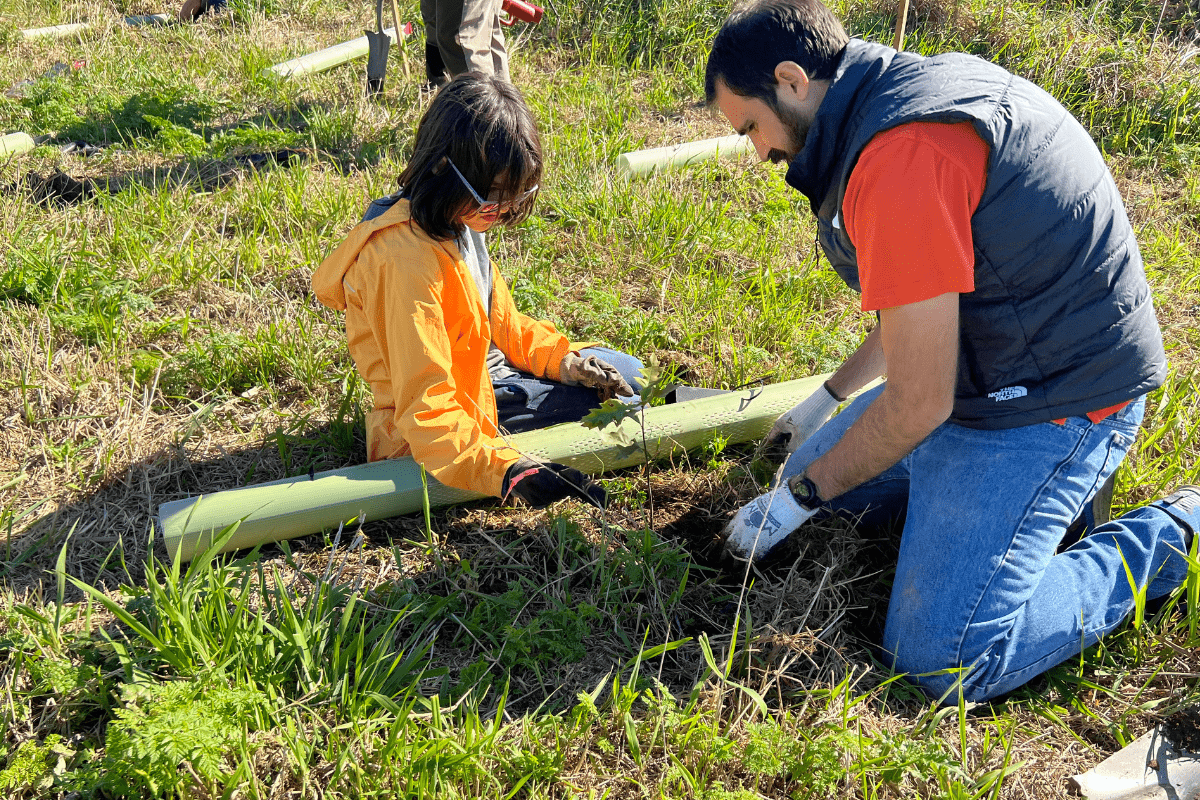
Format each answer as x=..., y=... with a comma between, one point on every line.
x=793, y=428
x=593, y=373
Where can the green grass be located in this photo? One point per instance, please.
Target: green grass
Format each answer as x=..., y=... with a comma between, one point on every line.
x=158, y=338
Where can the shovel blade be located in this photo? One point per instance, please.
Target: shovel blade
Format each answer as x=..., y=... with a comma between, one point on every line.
x=377, y=57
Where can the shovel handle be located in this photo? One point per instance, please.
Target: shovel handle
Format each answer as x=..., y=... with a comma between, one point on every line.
x=520, y=10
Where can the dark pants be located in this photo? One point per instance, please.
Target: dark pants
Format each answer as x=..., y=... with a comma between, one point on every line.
x=467, y=34
x=526, y=403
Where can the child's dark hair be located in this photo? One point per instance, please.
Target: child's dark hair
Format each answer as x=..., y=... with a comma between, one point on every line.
x=482, y=125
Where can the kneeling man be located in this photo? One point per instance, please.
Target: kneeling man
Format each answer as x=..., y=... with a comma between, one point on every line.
x=1016, y=329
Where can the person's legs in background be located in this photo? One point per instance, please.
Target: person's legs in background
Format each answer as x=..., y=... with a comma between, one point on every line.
x=435, y=67
x=467, y=34
x=498, y=48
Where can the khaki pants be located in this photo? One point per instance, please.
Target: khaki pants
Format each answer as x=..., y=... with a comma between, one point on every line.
x=467, y=34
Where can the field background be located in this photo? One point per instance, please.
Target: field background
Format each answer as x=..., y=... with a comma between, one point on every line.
x=158, y=339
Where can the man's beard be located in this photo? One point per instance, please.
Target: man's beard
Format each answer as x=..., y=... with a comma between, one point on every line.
x=797, y=128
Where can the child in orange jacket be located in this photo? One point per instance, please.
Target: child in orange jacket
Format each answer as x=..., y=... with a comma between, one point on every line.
x=431, y=324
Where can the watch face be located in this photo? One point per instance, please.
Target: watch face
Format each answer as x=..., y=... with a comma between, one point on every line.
x=802, y=488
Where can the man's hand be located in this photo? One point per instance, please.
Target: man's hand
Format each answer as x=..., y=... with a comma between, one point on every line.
x=539, y=485
x=595, y=373
x=763, y=523
x=793, y=428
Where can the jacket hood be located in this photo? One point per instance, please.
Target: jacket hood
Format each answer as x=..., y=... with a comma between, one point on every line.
x=327, y=279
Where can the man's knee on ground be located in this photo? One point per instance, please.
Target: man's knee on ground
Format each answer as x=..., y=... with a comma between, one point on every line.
x=940, y=680
x=935, y=662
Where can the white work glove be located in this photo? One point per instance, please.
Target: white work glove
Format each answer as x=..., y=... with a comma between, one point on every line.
x=595, y=373
x=764, y=522
x=793, y=428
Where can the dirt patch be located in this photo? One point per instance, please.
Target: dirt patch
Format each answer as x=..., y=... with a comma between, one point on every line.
x=1182, y=729
x=60, y=189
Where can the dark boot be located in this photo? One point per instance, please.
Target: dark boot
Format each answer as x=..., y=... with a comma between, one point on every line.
x=435, y=68
x=1182, y=507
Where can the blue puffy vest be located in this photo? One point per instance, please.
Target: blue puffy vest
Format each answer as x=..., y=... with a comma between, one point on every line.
x=1061, y=321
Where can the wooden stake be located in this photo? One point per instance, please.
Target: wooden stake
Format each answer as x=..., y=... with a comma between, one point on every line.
x=898, y=42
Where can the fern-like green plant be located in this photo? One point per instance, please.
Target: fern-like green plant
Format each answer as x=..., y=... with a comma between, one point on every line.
x=34, y=767
x=166, y=737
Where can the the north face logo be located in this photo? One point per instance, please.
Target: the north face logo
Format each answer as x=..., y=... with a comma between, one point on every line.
x=1008, y=393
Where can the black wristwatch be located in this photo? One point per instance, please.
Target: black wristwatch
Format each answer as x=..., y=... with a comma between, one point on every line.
x=805, y=491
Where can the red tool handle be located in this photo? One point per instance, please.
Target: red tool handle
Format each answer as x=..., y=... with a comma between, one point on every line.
x=520, y=10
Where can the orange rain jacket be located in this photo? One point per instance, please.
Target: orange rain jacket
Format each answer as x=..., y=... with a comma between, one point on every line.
x=419, y=335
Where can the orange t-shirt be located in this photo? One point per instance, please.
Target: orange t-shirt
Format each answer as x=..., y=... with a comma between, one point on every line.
x=908, y=210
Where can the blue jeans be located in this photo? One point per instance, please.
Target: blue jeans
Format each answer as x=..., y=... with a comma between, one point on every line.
x=526, y=403
x=979, y=589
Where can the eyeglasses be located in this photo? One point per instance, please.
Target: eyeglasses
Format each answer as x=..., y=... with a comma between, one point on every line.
x=487, y=207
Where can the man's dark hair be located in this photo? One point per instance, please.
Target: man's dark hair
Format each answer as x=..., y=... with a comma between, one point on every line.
x=481, y=124
x=760, y=35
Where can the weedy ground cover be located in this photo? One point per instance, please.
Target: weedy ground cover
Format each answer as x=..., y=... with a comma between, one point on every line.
x=158, y=339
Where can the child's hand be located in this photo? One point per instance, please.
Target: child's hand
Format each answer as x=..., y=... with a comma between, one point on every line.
x=541, y=484
x=594, y=373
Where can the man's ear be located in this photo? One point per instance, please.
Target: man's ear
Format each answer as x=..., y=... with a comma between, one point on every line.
x=792, y=78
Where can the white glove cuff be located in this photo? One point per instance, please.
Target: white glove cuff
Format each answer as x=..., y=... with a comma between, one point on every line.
x=812, y=413
x=825, y=400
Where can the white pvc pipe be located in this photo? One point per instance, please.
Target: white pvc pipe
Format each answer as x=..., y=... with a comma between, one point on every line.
x=326, y=59
x=15, y=143
x=56, y=31
x=150, y=19
x=62, y=31
x=646, y=162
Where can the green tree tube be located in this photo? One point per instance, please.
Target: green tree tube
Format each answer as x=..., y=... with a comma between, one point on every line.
x=326, y=59
x=56, y=31
x=302, y=505
x=647, y=162
x=143, y=20
x=15, y=143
